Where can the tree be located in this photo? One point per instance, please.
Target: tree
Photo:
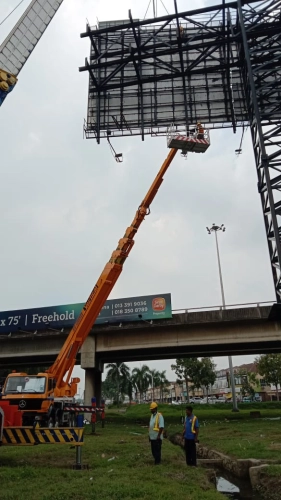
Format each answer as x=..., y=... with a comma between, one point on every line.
x=248, y=382
x=117, y=372
x=155, y=377
x=205, y=375
x=186, y=369
x=141, y=379
x=130, y=388
x=269, y=366
x=108, y=388
x=162, y=383
x=127, y=387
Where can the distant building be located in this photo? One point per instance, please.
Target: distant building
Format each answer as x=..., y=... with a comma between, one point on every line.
x=222, y=385
x=174, y=391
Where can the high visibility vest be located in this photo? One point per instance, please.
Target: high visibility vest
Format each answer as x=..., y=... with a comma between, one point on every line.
x=156, y=423
x=193, y=424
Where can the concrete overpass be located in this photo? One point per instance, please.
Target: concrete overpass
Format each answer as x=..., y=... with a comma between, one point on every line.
x=237, y=329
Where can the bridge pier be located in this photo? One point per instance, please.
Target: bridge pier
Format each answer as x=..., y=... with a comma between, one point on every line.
x=93, y=373
x=92, y=386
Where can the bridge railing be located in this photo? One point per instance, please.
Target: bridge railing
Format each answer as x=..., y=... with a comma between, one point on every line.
x=220, y=307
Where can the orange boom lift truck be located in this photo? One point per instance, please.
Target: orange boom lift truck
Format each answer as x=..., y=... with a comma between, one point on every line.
x=45, y=397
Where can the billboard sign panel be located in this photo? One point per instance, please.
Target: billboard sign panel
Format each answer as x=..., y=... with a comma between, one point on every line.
x=147, y=307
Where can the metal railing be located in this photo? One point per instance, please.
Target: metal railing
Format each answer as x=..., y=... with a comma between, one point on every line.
x=173, y=131
x=220, y=307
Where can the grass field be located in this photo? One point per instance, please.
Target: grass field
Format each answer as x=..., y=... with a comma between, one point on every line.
x=44, y=472
x=235, y=434
x=173, y=413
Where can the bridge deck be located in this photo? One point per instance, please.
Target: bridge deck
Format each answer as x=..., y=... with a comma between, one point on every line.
x=195, y=333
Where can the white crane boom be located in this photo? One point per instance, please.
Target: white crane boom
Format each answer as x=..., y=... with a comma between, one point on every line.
x=19, y=44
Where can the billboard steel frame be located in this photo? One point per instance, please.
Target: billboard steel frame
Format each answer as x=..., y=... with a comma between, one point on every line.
x=236, y=44
x=143, y=75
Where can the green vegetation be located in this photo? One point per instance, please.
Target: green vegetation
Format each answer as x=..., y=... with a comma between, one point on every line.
x=269, y=366
x=244, y=439
x=44, y=472
x=273, y=470
x=235, y=434
x=120, y=382
x=201, y=373
x=117, y=374
x=249, y=383
x=270, y=482
x=141, y=379
x=222, y=411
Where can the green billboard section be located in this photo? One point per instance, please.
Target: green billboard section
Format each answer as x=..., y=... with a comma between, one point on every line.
x=142, y=308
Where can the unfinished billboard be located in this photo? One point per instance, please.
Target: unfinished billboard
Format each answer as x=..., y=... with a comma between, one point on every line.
x=145, y=75
x=220, y=65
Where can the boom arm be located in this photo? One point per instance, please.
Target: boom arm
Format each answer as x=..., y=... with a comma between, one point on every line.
x=67, y=356
x=19, y=44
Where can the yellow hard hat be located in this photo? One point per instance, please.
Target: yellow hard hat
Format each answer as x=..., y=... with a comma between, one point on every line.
x=153, y=406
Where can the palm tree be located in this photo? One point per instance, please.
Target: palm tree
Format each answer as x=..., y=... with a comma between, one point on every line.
x=162, y=383
x=141, y=379
x=118, y=372
x=154, y=376
x=130, y=388
x=127, y=387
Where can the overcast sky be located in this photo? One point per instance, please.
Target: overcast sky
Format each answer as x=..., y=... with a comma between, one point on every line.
x=65, y=202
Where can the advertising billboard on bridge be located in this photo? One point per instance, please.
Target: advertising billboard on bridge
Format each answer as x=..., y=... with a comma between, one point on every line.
x=146, y=307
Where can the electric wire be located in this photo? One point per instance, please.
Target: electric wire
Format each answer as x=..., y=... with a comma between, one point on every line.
x=155, y=8
x=5, y=18
x=147, y=8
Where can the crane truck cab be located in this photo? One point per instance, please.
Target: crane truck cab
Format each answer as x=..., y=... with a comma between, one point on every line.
x=35, y=397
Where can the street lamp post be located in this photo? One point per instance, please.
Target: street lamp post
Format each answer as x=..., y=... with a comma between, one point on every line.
x=215, y=229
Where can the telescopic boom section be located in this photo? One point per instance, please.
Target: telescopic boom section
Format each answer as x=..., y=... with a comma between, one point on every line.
x=67, y=356
x=21, y=41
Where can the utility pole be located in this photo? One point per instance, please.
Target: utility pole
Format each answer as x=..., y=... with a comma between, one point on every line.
x=215, y=229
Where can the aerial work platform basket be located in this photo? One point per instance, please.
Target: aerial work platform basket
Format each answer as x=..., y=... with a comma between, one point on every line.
x=195, y=140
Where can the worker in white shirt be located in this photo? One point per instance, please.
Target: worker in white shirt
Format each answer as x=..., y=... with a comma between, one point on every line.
x=156, y=427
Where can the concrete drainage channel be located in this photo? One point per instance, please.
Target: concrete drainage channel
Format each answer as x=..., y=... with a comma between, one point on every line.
x=241, y=475
x=235, y=478
x=228, y=484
